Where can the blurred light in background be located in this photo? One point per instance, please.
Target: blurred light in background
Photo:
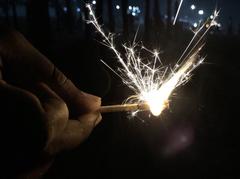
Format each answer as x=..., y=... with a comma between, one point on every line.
x=193, y=7
x=134, y=10
x=201, y=12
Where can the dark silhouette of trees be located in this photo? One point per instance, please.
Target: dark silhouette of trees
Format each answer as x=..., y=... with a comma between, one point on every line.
x=69, y=15
x=147, y=20
x=157, y=17
x=86, y=15
x=111, y=16
x=156, y=11
x=14, y=10
x=176, y=4
x=38, y=23
x=169, y=14
x=125, y=17
x=177, y=27
x=99, y=11
x=7, y=6
x=230, y=25
x=58, y=13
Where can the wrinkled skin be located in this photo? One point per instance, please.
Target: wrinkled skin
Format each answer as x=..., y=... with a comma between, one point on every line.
x=42, y=112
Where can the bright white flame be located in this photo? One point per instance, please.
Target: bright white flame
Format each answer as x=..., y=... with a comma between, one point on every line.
x=154, y=99
x=151, y=82
x=157, y=99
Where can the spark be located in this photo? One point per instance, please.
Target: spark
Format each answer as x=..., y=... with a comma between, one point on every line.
x=151, y=82
x=178, y=10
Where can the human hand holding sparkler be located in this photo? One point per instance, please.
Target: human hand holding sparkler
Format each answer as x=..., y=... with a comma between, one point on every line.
x=42, y=112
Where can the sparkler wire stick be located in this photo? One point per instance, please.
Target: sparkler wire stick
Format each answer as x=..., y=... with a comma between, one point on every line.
x=125, y=107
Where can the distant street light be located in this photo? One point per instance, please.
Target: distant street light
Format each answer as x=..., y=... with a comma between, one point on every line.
x=195, y=25
x=94, y=2
x=117, y=7
x=201, y=12
x=193, y=7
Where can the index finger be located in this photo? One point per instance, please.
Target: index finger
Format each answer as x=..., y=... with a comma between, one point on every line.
x=22, y=59
x=79, y=101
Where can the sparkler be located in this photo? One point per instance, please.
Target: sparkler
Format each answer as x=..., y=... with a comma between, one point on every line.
x=152, y=82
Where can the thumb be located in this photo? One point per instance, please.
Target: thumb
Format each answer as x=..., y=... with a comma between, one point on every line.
x=55, y=109
x=18, y=54
x=75, y=133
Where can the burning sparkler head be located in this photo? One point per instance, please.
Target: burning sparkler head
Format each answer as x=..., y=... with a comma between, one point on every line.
x=156, y=101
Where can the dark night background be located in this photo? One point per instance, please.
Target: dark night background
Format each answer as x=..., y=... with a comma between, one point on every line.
x=196, y=138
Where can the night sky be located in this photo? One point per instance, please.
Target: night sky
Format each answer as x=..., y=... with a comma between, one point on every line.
x=229, y=8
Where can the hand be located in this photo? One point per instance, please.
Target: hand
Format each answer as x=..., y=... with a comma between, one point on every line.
x=43, y=111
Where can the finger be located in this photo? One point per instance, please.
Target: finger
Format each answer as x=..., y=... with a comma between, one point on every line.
x=78, y=101
x=19, y=54
x=55, y=109
x=22, y=120
x=20, y=58
x=75, y=133
x=50, y=111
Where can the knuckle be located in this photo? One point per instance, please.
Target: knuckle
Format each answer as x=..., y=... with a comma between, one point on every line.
x=62, y=108
x=58, y=77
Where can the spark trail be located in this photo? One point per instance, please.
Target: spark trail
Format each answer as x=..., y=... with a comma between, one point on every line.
x=152, y=82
